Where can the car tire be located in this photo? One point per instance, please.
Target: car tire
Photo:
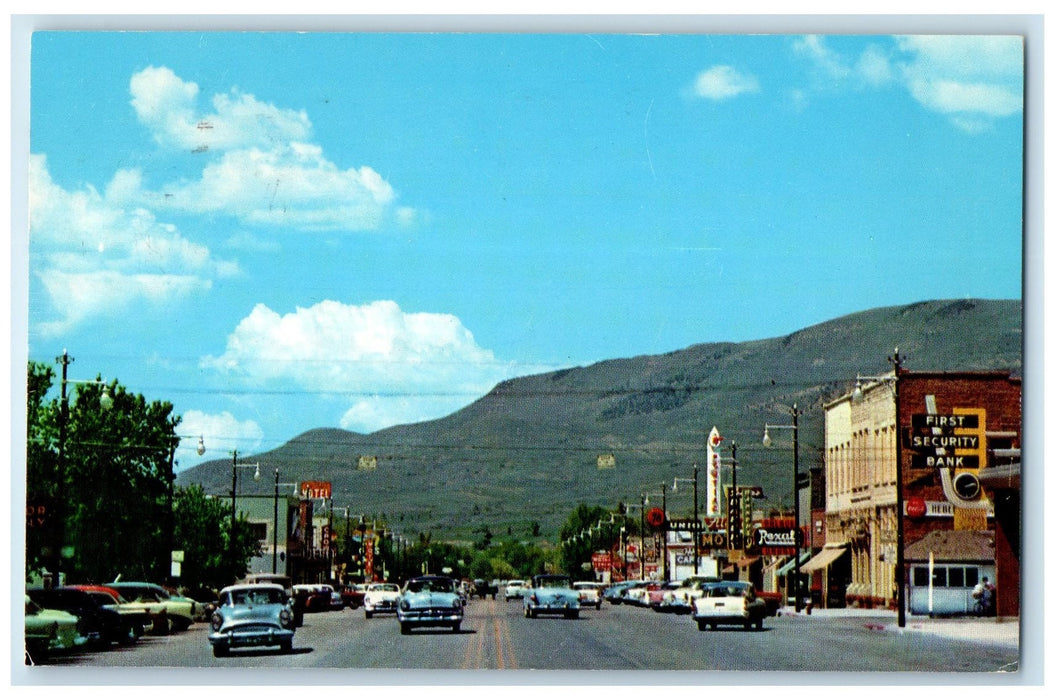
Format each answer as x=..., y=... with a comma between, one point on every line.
x=758, y=623
x=368, y=614
x=128, y=636
x=219, y=650
x=404, y=628
x=456, y=627
x=572, y=615
x=701, y=625
x=286, y=647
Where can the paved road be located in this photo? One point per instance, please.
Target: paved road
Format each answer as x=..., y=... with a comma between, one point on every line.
x=496, y=636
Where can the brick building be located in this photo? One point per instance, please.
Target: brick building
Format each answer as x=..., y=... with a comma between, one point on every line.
x=952, y=428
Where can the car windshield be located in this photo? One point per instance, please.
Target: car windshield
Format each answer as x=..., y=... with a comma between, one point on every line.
x=257, y=596
x=728, y=592
x=391, y=587
x=552, y=582
x=430, y=586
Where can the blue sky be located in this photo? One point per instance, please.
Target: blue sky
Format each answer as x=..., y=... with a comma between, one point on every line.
x=281, y=231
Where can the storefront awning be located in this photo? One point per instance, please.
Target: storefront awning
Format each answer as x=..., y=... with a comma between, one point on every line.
x=790, y=564
x=823, y=560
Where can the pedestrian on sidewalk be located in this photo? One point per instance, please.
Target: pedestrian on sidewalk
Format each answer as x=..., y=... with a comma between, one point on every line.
x=983, y=595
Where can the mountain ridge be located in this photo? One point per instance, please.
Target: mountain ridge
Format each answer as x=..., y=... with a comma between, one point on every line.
x=526, y=452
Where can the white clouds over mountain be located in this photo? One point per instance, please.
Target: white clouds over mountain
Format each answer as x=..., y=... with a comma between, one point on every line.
x=390, y=365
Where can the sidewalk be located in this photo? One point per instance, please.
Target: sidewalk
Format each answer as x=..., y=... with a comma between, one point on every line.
x=1002, y=631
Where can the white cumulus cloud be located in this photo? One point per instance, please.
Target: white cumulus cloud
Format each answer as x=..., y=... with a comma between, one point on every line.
x=259, y=163
x=92, y=254
x=973, y=80
x=388, y=366
x=724, y=82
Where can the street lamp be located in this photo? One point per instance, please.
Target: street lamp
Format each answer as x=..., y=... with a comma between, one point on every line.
x=768, y=442
x=171, y=478
x=105, y=403
x=899, y=501
x=695, y=516
x=235, y=466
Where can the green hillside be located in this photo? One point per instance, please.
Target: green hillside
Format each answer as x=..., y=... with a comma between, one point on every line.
x=527, y=451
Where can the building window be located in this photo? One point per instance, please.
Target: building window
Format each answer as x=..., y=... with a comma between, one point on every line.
x=946, y=576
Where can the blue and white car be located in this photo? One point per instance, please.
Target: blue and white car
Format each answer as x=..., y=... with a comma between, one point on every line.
x=430, y=601
x=252, y=615
x=551, y=594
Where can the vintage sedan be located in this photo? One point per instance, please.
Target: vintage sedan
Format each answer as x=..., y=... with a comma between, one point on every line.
x=48, y=631
x=353, y=594
x=380, y=598
x=430, y=601
x=104, y=624
x=728, y=603
x=589, y=593
x=252, y=615
x=514, y=589
x=140, y=618
x=179, y=611
x=551, y=594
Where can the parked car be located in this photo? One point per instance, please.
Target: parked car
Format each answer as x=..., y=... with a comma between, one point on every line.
x=380, y=598
x=430, y=601
x=680, y=600
x=49, y=631
x=589, y=593
x=637, y=595
x=659, y=599
x=614, y=593
x=139, y=618
x=551, y=594
x=352, y=594
x=514, y=589
x=101, y=625
x=728, y=603
x=252, y=615
x=179, y=611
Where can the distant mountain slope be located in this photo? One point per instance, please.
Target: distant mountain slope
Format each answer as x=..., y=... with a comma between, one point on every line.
x=527, y=451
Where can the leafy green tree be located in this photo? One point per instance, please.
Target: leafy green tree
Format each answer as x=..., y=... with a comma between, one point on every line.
x=577, y=548
x=100, y=500
x=203, y=533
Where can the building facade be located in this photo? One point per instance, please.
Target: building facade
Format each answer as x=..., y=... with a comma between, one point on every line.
x=945, y=427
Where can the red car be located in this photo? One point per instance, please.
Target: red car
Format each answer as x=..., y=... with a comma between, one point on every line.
x=352, y=595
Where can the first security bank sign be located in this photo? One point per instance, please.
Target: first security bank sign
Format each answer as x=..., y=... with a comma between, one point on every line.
x=953, y=444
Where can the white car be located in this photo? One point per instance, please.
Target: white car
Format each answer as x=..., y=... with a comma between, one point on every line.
x=680, y=600
x=514, y=589
x=729, y=603
x=589, y=593
x=380, y=598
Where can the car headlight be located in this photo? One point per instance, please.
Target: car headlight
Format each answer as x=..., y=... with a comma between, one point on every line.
x=285, y=618
x=216, y=621
x=404, y=605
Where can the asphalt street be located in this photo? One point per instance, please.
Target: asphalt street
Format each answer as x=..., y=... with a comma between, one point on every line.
x=497, y=637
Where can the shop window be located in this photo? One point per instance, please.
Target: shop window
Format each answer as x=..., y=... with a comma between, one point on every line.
x=956, y=577
x=970, y=577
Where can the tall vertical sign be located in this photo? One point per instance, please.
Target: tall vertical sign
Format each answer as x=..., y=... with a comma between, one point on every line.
x=714, y=473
